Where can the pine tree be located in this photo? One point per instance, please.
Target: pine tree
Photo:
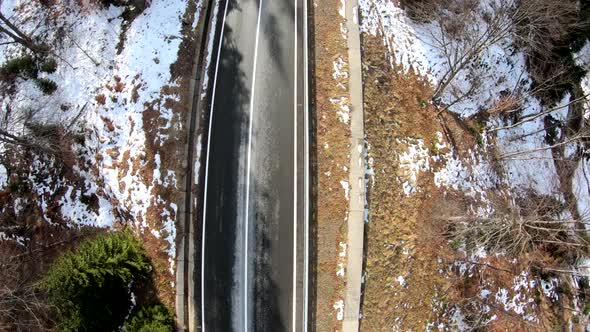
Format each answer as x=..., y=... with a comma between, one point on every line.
x=155, y=318
x=90, y=288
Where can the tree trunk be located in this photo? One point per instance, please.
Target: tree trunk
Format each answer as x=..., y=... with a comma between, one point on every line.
x=20, y=37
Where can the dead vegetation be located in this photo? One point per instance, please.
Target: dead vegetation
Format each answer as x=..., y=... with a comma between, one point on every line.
x=404, y=251
x=517, y=227
x=332, y=149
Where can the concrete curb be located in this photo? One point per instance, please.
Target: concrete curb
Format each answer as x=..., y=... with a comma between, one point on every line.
x=186, y=306
x=356, y=209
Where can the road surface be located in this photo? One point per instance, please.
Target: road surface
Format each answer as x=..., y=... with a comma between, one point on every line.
x=254, y=246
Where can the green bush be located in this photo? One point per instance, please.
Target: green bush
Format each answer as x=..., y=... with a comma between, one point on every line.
x=49, y=66
x=455, y=244
x=154, y=318
x=24, y=65
x=89, y=288
x=46, y=131
x=19, y=186
x=47, y=86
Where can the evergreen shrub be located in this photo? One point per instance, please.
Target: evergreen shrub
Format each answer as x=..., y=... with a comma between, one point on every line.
x=90, y=288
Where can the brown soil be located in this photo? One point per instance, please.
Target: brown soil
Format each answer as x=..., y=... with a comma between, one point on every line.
x=332, y=156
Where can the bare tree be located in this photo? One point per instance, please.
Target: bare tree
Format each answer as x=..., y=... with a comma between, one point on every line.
x=18, y=36
x=577, y=138
x=21, y=127
x=14, y=130
x=21, y=309
x=466, y=29
x=519, y=228
x=22, y=306
x=462, y=41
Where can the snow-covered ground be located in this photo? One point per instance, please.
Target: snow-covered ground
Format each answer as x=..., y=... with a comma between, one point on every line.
x=105, y=94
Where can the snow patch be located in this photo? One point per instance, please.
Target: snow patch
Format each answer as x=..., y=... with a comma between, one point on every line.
x=401, y=280
x=346, y=188
x=339, y=307
x=415, y=160
x=3, y=176
x=343, y=111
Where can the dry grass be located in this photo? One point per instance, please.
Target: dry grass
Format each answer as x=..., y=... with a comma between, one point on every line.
x=403, y=240
x=332, y=205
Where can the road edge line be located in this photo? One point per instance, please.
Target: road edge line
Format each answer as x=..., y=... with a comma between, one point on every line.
x=295, y=107
x=306, y=165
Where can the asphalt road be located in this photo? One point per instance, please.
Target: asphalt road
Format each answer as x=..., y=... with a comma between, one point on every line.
x=254, y=263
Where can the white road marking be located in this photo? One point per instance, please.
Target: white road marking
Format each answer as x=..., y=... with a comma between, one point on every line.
x=294, y=305
x=246, y=222
x=207, y=171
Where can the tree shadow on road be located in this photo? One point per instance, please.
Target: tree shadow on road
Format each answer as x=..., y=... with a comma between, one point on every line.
x=267, y=315
x=229, y=112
